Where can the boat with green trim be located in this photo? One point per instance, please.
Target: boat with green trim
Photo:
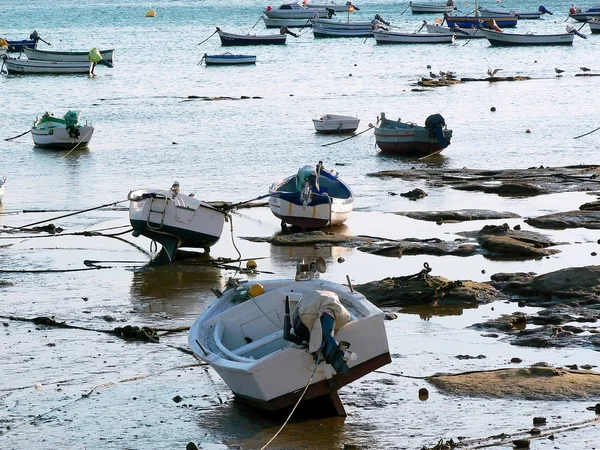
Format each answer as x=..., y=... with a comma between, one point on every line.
x=59, y=133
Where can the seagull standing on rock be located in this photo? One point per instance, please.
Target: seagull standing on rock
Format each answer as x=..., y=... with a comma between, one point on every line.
x=584, y=69
x=559, y=71
x=492, y=72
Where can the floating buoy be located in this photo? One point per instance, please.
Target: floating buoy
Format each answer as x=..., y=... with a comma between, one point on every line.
x=151, y=13
x=493, y=109
x=527, y=131
x=256, y=290
x=251, y=264
x=423, y=394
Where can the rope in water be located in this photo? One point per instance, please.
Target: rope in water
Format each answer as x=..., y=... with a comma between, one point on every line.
x=350, y=137
x=79, y=143
x=296, y=405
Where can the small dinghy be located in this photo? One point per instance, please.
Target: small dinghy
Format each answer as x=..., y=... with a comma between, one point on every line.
x=227, y=59
x=61, y=133
x=279, y=343
x=333, y=123
x=174, y=220
x=311, y=199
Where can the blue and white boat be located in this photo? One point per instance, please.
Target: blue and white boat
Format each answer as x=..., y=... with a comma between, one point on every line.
x=585, y=15
x=228, y=59
x=311, y=199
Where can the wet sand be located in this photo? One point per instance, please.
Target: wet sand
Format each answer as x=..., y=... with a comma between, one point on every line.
x=71, y=388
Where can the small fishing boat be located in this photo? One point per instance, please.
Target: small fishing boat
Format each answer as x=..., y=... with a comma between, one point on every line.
x=2, y=184
x=333, y=123
x=66, y=56
x=296, y=11
x=459, y=33
x=289, y=23
x=174, y=220
x=279, y=343
x=345, y=7
x=25, y=66
x=519, y=13
x=481, y=21
x=231, y=39
x=397, y=37
x=584, y=15
x=228, y=59
x=431, y=8
x=407, y=138
x=501, y=39
x=311, y=199
x=594, y=26
x=329, y=28
x=60, y=133
x=18, y=45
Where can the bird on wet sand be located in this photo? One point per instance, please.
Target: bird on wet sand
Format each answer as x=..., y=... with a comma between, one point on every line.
x=584, y=69
x=492, y=72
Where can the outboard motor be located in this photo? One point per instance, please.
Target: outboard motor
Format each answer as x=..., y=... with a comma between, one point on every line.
x=435, y=124
x=378, y=17
x=330, y=12
x=543, y=10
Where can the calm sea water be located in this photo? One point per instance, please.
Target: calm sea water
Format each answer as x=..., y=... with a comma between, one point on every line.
x=147, y=133
x=150, y=133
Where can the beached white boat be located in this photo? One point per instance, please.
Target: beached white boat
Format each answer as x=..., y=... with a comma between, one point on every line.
x=60, y=133
x=407, y=138
x=283, y=342
x=228, y=59
x=431, y=8
x=66, y=56
x=311, y=199
x=502, y=39
x=25, y=66
x=397, y=37
x=2, y=184
x=459, y=33
x=334, y=123
x=521, y=14
x=174, y=220
x=295, y=11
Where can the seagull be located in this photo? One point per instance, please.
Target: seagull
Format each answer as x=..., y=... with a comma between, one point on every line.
x=433, y=75
x=584, y=69
x=558, y=70
x=492, y=72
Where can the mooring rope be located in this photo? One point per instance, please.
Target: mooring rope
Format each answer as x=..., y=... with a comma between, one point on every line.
x=19, y=135
x=353, y=136
x=296, y=405
x=82, y=139
x=593, y=131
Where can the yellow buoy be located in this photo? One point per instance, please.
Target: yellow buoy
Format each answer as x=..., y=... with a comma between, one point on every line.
x=251, y=264
x=151, y=13
x=256, y=290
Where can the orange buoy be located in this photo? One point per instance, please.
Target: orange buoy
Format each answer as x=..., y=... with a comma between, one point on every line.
x=151, y=13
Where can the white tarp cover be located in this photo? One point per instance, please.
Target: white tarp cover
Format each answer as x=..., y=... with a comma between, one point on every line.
x=313, y=305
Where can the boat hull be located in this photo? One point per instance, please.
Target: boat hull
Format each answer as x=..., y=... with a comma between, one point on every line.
x=409, y=139
x=175, y=220
x=329, y=28
x=463, y=33
x=23, y=66
x=498, y=39
x=18, y=46
x=271, y=373
x=417, y=8
x=480, y=21
x=224, y=60
x=290, y=23
x=230, y=39
x=594, y=26
x=331, y=123
x=2, y=183
x=58, y=138
x=46, y=55
x=529, y=15
x=322, y=210
x=393, y=37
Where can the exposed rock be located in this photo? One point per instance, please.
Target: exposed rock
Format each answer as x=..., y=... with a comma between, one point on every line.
x=539, y=383
x=415, y=194
x=311, y=238
x=591, y=206
x=514, y=182
x=459, y=215
x=567, y=219
x=419, y=247
x=500, y=240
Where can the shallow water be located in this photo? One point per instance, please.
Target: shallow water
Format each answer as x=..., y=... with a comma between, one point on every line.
x=148, y=133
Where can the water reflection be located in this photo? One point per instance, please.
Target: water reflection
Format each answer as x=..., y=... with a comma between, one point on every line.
x=426, y=312
x=178, y=289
